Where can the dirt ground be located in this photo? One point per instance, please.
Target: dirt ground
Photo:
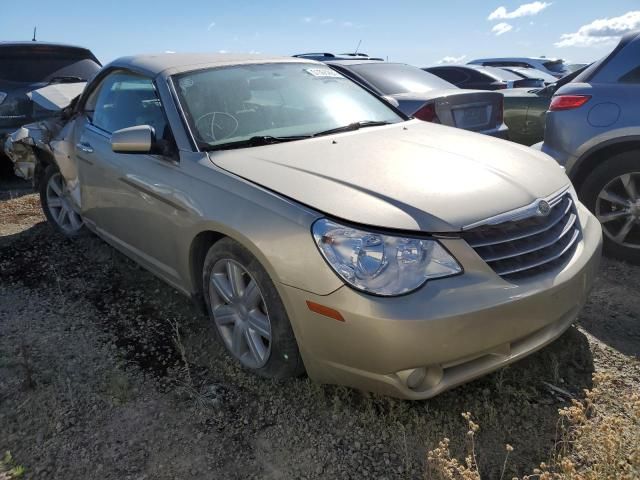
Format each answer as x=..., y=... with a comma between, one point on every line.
x=108, y=373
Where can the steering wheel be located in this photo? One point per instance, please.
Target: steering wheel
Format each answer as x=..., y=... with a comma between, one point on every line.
x=214, y=126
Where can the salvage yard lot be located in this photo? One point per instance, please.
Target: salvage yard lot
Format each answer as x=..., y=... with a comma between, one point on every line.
x=106, y=372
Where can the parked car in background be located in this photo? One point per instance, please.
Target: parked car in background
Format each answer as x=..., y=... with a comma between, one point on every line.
x=323, y=57
x=532, y=73
x=27, y=66
x=424, y=96
x=525, y=110
x=553, y=66
x=593, y=130
x=318, y=227
x=576, y=66
x=482, y=78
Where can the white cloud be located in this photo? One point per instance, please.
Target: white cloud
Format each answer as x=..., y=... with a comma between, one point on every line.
x=223, y=51
x=450, y=59
x=211, y=25
x=326, y=21
x=347, y=24
x=601, y=31
x=169, y=51
x=307, y=19
x=501, y=28
x=522, y=11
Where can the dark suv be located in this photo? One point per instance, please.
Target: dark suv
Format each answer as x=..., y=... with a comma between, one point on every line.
x=27, y=66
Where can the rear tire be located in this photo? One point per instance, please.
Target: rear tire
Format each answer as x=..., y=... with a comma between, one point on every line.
x=56, y=203
x=612, y=193
x=247, y=314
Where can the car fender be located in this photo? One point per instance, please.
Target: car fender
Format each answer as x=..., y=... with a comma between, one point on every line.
x=606, y=139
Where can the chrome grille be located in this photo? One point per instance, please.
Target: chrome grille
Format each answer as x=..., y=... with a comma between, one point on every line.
x=525, y=247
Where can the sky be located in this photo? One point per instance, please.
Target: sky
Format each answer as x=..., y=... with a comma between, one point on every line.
x=420, y=32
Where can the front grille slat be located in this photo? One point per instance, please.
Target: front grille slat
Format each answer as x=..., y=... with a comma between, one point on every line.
x=528, y=246
x=543, y=242
x=554, y=218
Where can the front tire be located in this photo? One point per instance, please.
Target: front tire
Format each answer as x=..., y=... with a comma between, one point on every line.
x=612, y=193
x=57, y=205
x=247, y=313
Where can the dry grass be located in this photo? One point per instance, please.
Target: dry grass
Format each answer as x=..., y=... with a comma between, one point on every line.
x=598, y=438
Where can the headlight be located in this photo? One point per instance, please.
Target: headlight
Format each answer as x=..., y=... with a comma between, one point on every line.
x=382, y=264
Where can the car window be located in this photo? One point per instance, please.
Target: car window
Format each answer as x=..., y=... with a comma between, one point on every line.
x=506, y=64
x=456, y=76
x=622, y=66
x=556, y=66
x=632, y=76
x=228, y=104
x=533, y=73
x=394, y=78
x=125, y=100
x=36, y=65
x=499, y=74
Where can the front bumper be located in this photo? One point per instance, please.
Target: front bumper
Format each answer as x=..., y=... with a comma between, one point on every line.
x=453, y=330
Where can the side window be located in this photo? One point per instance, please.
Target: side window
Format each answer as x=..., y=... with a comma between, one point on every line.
x=125, y=100
x=623, y=67
x=631, y=77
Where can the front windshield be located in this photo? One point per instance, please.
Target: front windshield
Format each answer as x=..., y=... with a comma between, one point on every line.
x=232, y=104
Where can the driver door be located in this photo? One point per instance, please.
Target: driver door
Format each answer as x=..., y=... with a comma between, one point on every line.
x=126, y=197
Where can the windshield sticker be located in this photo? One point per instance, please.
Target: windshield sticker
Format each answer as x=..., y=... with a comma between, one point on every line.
x=323, y=72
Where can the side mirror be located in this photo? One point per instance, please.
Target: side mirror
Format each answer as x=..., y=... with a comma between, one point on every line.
x=138, y=139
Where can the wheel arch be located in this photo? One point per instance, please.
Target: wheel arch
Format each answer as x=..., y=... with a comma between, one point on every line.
x=199, y=247
x=594, y=156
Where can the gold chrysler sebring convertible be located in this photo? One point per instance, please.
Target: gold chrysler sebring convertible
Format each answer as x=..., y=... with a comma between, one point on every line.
x=322, y=230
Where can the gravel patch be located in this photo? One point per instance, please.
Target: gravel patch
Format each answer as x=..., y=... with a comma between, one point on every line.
x=108, y=373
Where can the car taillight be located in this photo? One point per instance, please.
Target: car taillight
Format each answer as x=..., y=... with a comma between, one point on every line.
x=500, y=113
x=427, y=113
x=568, y=102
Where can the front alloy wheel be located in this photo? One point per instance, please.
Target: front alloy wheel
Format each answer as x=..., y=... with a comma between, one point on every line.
x=246, y=312
x=240, y=313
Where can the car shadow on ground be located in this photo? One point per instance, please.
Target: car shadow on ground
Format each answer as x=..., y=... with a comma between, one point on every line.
x=516, y=405
x=613, y=313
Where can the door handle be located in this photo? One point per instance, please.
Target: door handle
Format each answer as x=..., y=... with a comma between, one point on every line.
x=84, y=147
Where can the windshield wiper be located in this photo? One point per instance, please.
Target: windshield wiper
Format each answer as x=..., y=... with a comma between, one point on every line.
x=260, y=140
x=255, y=141
x=351, y=127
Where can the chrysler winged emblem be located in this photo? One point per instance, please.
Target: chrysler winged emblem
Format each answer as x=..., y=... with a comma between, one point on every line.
x=543, y=208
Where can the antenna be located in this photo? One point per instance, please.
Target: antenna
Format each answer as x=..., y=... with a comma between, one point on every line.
x=35, y=29
x=358, y=47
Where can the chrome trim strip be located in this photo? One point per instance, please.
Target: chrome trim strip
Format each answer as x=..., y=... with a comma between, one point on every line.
x=541, y=246
x=519, y=213
x=523, y=234
x=558, y=255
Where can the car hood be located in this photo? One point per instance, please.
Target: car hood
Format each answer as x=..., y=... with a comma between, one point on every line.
x=412, y=176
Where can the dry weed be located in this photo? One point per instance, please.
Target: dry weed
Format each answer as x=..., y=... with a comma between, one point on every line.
x=598, y=438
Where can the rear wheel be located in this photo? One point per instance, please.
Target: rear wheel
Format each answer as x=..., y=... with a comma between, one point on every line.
x=247, y=314
x=57, y=205
x=612, y=193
